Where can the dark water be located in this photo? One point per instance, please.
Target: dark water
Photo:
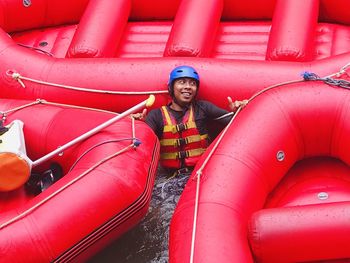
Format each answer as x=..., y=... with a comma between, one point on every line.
x=148, y=241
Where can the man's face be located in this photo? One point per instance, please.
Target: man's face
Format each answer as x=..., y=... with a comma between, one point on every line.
x=185, y=90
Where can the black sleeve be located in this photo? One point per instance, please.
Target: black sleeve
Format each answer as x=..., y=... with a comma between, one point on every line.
x=214, y=112
x=154, y=119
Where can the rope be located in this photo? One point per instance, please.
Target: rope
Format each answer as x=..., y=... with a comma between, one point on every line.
x=309, y=76
x=44, y=102
x=17, y=76
x=136, y=142
x=5, y=113
x=259, y=93
x=341, y=71
x=75, y=107
x=198, y=177
x=133, y=131
x=25, y=213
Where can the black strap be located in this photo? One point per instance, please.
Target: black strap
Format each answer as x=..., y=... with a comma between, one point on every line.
x=3, y=129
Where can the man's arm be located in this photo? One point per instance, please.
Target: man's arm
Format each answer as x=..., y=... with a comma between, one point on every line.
x=154, y=119
x=223, y=116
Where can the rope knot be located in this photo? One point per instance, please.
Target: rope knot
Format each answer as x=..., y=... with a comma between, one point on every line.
x=16, y=75
x=3, y=117
x=198, y=174
x=309, y=76
x=136, y=142
x=41, y=101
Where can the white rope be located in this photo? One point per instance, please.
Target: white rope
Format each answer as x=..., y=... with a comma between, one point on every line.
x=5, y=113
x=194, y=229
x=41, y=101
x=75, y=107
x=341, y=71
x=133, y=131
x=198, y=177
x=17, y=76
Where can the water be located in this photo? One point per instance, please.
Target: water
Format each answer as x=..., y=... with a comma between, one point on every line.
x=148, y=241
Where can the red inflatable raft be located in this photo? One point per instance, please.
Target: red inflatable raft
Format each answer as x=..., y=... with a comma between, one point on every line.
x=238, y=47
x=105, y=189
x=276, y=188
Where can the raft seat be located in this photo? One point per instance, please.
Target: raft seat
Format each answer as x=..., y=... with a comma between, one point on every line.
x=234, y=40
x=144, y=39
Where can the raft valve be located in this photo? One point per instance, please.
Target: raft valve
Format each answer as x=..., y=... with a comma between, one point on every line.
x=280, y=156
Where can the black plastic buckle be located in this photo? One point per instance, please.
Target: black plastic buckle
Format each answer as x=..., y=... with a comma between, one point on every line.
x=182, y=155
x=180, y=127
x=3, y=129
x=181, y=141
x=184, y=170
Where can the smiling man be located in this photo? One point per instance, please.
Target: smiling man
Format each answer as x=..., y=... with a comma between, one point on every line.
x=182, y=125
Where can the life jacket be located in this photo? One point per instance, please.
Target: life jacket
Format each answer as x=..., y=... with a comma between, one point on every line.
x=181, y=144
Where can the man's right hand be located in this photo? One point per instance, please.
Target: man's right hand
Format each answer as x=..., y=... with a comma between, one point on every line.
x=140, y=116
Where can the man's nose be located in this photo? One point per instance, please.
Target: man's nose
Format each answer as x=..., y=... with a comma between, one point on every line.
x=187, y=84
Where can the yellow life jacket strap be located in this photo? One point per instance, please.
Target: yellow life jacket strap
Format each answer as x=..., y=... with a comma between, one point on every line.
x=167, y=116
x=183, y=141
x=190, y=117
x=182, y=154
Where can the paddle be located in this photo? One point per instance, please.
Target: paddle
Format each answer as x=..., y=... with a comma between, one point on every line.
x=15, y=166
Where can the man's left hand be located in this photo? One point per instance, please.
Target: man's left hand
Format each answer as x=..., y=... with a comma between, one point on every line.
x=235, y=105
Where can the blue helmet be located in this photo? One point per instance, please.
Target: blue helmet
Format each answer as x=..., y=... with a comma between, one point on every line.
x=181, y=72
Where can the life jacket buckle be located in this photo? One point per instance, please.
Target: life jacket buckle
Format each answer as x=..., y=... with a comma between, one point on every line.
x=182, y=154
x=180, y=127
x=181, y=141
x=184, y=170
x=180, y=172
